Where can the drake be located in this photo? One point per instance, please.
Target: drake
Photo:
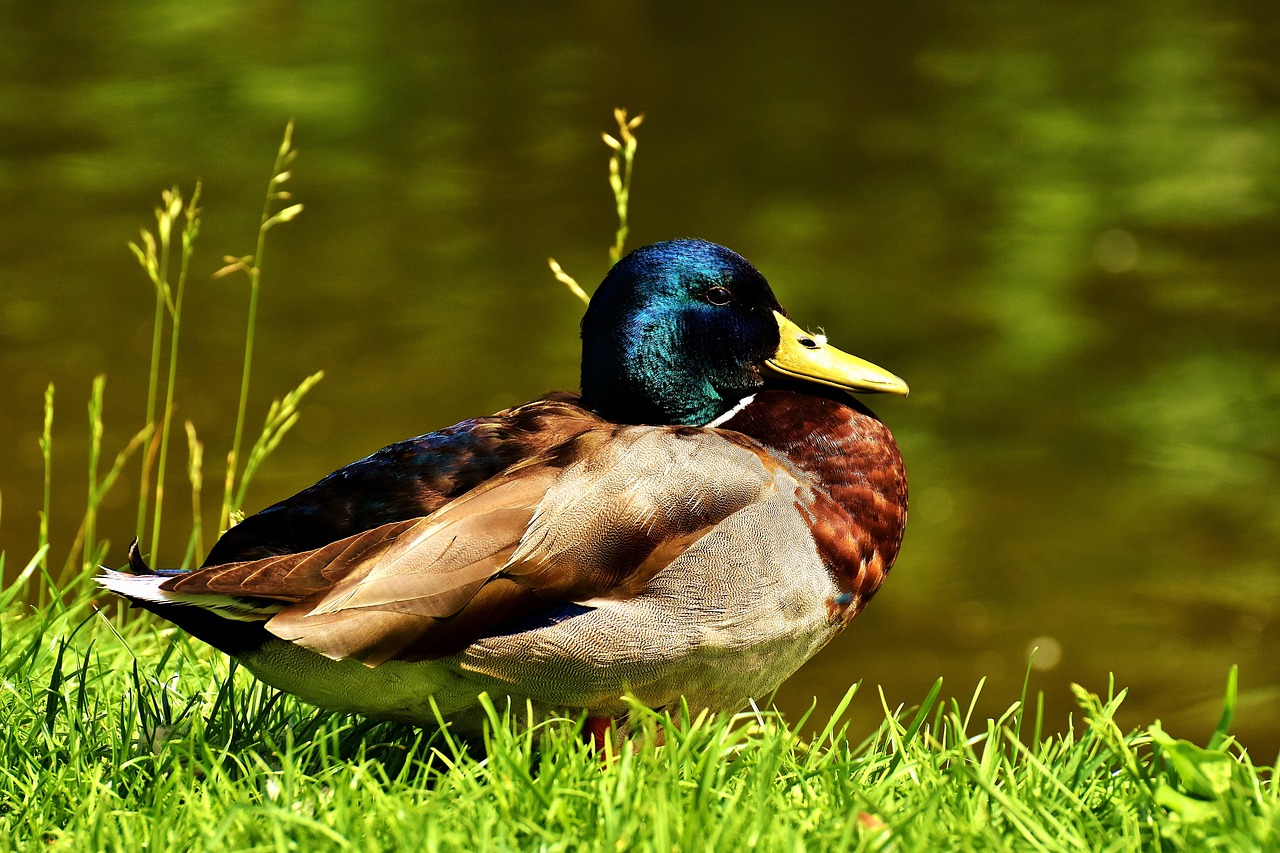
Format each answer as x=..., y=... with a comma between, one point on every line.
x=709, y=512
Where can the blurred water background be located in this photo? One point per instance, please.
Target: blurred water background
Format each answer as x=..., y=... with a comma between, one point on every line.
x=1060, y=225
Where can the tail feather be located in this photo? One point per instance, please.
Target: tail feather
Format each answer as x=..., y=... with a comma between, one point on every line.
x=219, y=620
x=137, y=565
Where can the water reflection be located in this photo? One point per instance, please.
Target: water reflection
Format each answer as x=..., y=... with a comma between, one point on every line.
x=1061, y=231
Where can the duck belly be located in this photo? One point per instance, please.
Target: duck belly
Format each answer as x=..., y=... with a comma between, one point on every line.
x=395, y=690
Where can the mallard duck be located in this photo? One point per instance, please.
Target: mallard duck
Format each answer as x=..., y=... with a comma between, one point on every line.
x=706, y=515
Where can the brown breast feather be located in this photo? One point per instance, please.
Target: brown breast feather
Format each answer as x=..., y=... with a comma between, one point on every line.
x=857, y=504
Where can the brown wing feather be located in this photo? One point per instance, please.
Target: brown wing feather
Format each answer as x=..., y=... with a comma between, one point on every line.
x=597, y=517
x=437, y=566
x=407, y=480
x=291, y=577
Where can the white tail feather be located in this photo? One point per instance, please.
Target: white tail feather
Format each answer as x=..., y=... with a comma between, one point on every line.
x=148, y=588
x=140, y=587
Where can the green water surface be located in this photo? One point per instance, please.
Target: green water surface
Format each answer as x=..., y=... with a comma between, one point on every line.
x=1059, y=222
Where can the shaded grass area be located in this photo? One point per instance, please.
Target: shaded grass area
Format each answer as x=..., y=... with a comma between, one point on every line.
x=134, y=737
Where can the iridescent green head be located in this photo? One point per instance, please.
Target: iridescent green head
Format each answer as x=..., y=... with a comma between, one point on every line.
x=679, y=332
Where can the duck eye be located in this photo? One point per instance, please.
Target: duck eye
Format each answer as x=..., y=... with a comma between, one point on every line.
x=719, y=296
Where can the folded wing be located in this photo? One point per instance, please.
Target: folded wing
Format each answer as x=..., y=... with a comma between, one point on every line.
x=596, y=517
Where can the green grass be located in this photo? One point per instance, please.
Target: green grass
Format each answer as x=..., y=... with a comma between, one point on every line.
x=123, y=734
x=133, y=738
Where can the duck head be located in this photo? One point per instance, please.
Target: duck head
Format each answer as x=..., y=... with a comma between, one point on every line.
x=679, y=332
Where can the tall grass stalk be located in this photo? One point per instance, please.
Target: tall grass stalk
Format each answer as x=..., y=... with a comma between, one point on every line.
x=143, y=253
x=620, y=167
x=90, y=526
x=281, y=417
x=621, y=162
x=20, y=585
x=195, y=476
x=154, y=254
x=191, y=211
x=252, y=267
x=46, y=452
x=87, y=551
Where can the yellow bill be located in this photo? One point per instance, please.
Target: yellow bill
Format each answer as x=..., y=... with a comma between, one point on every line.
x=810, y=358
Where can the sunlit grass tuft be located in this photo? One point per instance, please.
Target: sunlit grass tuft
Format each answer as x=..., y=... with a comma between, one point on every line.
x=167, y=272
x=124, y=738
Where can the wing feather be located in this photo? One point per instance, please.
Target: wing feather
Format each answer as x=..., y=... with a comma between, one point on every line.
x=592, y=519
x=290, y=577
